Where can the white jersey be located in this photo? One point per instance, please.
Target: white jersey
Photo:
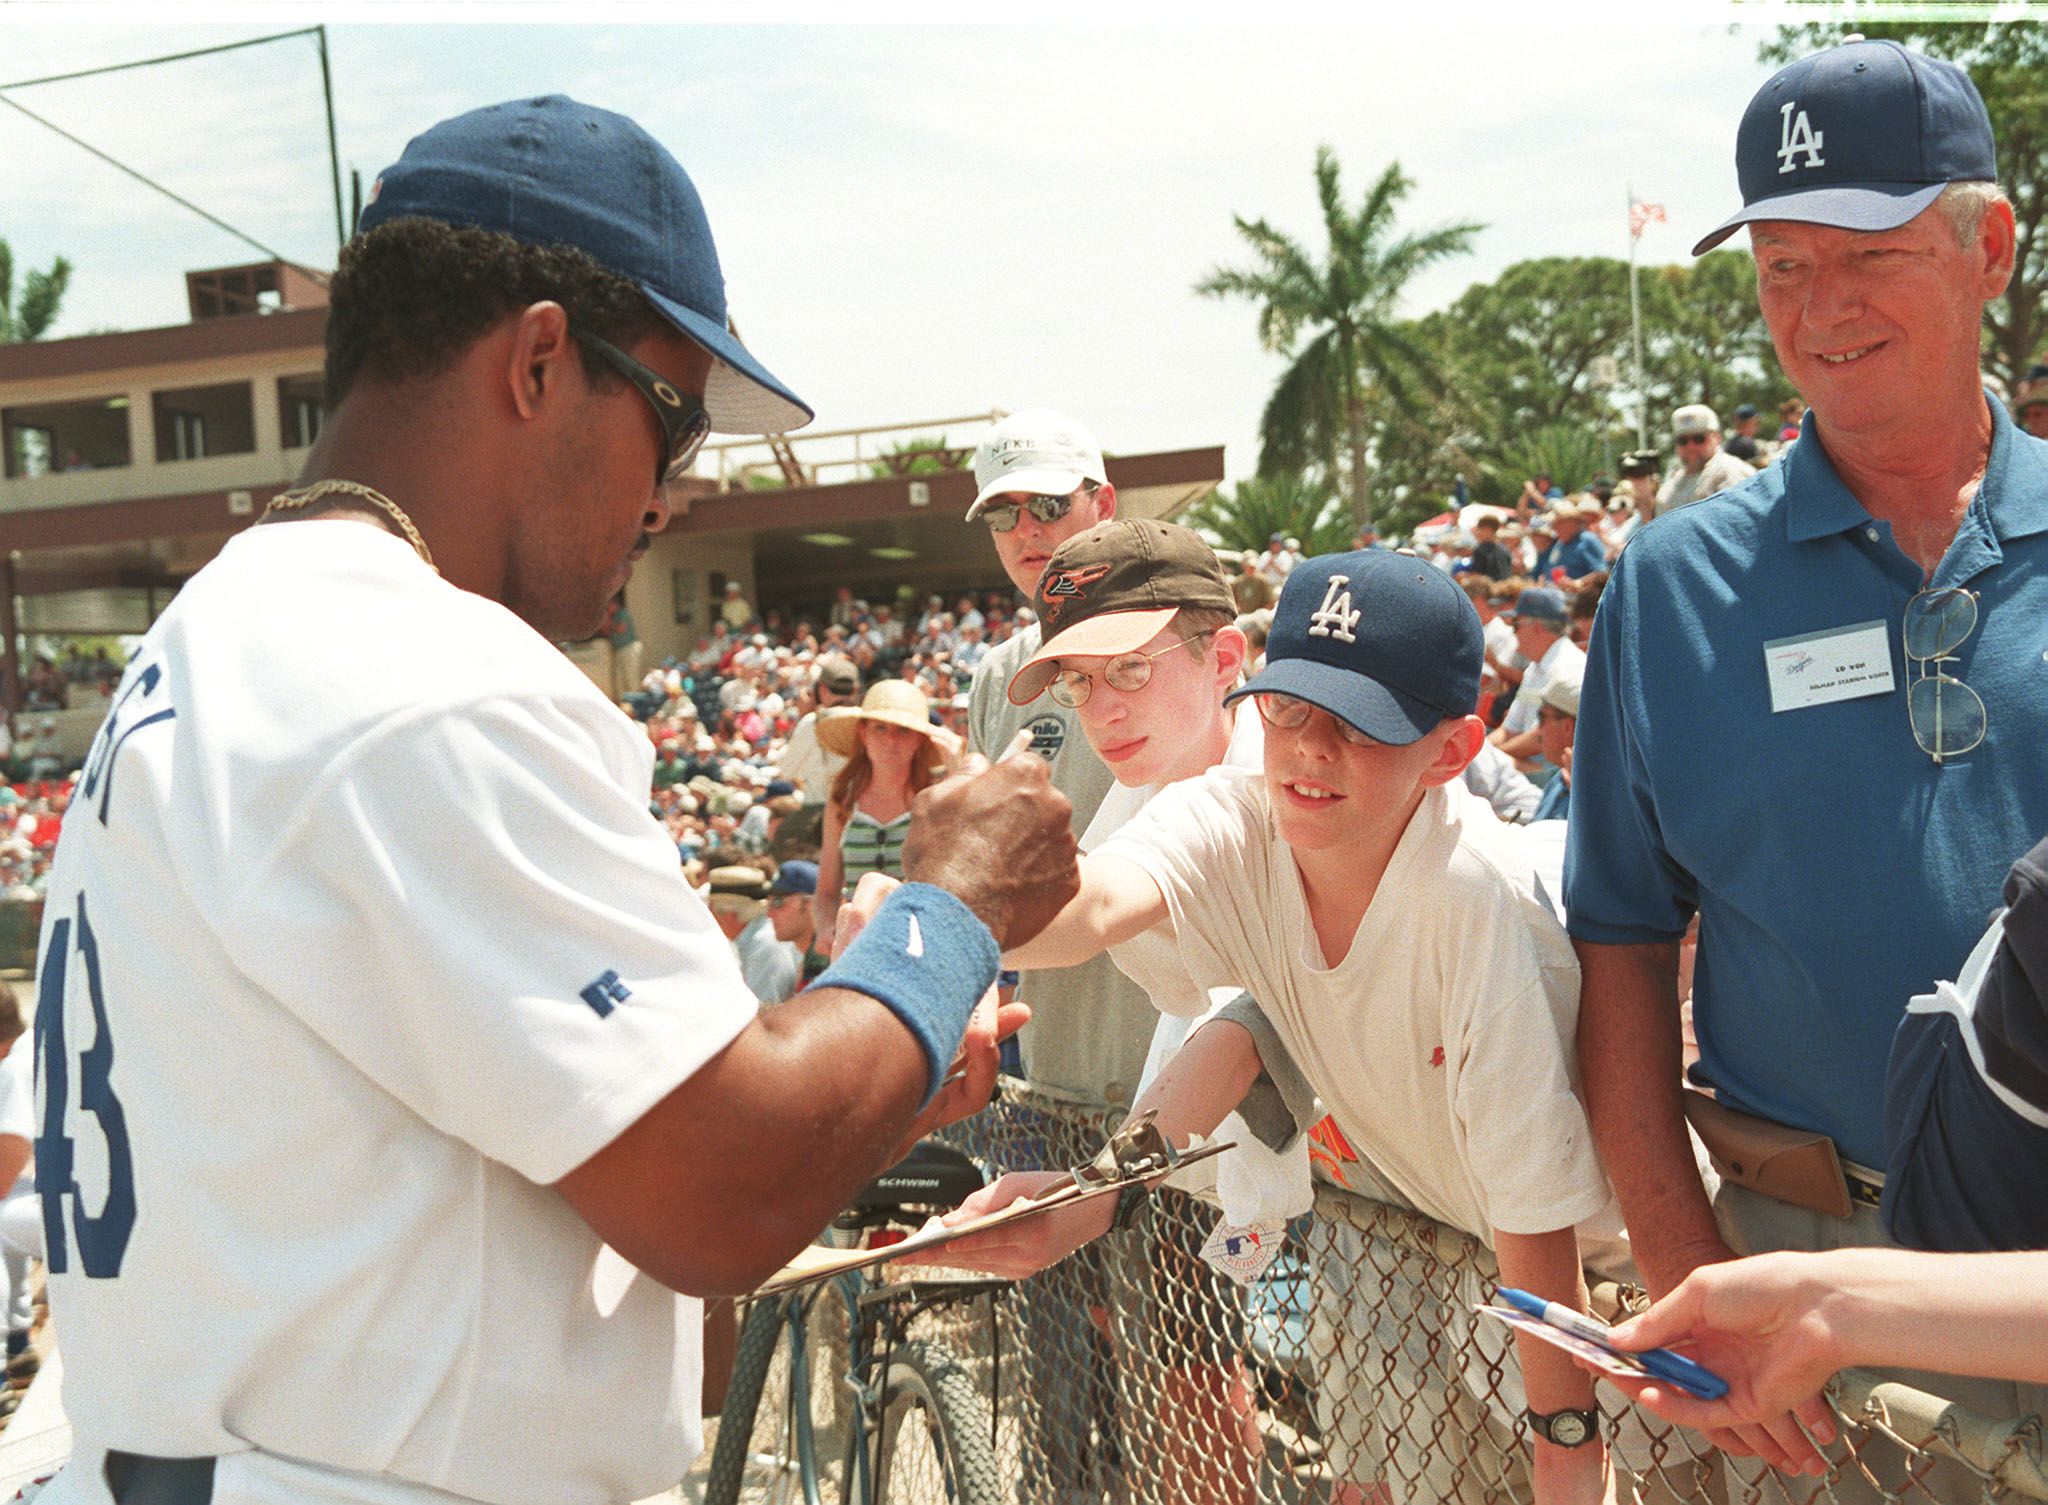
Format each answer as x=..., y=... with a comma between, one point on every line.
x=360, y=935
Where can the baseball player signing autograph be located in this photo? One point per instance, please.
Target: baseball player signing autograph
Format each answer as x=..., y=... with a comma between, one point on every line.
x=373, y=1004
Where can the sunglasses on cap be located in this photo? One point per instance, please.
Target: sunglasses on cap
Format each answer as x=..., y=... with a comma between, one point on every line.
x=1001, y=517
x=684, y=423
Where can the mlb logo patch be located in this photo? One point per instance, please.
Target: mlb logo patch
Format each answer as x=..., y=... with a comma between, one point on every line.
x=1243, y=1253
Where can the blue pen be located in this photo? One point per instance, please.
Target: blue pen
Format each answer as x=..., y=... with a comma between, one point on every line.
x=1692, y=1378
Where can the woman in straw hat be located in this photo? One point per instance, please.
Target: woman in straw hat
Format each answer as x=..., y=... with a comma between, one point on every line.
x=892, y=751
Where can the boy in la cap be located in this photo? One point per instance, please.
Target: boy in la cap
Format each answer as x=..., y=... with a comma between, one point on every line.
x=1406, y=968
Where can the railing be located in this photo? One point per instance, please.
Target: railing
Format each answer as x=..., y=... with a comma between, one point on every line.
x=1356, y=1372
x=801, y=458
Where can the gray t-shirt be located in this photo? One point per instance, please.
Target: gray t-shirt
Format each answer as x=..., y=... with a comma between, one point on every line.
x=1091, y=1026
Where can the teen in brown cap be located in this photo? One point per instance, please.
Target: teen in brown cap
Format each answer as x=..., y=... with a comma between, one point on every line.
x=1110, y=590
x=1142, y=645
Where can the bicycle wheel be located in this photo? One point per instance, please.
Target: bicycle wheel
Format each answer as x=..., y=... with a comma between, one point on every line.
x=754, y=1456
x=935, y=1446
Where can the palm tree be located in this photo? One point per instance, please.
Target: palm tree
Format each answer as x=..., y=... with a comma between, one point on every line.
x=1345, y=310
x=41, y=293
x=1252, y=511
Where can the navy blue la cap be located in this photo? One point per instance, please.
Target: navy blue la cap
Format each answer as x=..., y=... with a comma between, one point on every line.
x=1861, y=137
x=552, y=171
x=1381, y=640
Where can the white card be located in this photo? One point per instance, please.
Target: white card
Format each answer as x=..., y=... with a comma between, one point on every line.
x=1243, y=1253
x=1838, y=663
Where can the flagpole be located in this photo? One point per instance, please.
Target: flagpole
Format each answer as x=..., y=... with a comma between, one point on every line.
x=1635, y=324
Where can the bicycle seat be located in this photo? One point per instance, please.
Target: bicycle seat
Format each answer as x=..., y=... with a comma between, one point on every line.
x=932, y=1176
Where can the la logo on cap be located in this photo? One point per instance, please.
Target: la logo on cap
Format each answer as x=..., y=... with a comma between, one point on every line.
x=1335, y=618
x=1796, y=135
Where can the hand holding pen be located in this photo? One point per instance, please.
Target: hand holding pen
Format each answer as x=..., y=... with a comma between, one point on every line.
x=1761, y=1326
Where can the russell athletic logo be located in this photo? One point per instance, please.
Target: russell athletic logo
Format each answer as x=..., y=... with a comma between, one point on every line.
x=1795, y=135
x=1335, y=618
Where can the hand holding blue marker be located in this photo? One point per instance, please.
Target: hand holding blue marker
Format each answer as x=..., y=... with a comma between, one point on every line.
x=1662, y=1363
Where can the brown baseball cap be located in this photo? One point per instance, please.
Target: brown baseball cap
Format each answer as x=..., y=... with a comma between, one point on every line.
x=1110, y=589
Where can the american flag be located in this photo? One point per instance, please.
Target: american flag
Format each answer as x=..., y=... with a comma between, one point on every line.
x=1641, y=216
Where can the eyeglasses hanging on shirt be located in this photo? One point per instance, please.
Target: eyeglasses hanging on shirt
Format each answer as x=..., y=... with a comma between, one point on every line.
x=1947, y=715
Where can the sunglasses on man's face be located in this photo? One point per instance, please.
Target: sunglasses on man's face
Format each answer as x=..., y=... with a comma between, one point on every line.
x=1684, y=439
x=684, y=423
x=1001, y=517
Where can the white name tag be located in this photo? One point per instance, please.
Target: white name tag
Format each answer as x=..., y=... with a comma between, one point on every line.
x=1818, y=668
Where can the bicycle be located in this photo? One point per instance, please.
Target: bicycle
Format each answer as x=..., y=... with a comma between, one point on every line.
x=919, y=1429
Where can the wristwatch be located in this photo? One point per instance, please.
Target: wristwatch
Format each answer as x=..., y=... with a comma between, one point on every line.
x=1565, y=1429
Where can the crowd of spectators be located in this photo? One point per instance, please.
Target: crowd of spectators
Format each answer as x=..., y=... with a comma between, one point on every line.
x=740, y=786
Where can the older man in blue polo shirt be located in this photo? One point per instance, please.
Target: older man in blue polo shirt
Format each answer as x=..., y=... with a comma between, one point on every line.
x=1816, y=713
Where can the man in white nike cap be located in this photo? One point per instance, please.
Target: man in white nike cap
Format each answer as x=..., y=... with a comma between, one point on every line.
x=1040, y=480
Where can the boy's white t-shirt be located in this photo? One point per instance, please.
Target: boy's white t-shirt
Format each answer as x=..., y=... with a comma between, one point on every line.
x=1442, y=1043
x=361, y=891
x=1254, y=1182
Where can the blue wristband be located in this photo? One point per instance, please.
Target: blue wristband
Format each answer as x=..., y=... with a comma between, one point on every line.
x=927, y=958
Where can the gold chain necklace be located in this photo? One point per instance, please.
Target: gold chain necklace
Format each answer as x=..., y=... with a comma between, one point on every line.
x=305, y=496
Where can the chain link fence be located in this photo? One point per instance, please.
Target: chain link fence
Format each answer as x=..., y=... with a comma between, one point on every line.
x=1355, y=1371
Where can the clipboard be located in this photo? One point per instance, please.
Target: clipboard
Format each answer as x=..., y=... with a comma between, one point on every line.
x=1137, y=1154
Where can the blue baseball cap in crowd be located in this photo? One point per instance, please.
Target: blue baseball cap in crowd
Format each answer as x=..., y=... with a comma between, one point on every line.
x=1540, y=603
x=552, y=171
x=1384, y=641
x=795, y=878
x=1861, y=137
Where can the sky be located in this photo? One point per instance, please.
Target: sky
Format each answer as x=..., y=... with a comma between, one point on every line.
x=917, y=220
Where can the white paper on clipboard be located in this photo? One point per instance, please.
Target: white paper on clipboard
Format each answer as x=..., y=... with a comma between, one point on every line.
x=815, y=1263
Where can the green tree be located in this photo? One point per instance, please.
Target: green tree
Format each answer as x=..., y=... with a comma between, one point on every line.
x=1704, y=336
x=924, y=455
x=1537, y=373
x=1527, y=348
x=2008, y=61
x=1335, y=323
x=42, y=293
x=1244, y=516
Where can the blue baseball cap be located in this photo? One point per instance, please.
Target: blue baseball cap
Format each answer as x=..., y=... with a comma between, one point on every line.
x=551, y=171
x=795, y=878
x=1541, y=603
x=1861, y=137
x=1384, y=641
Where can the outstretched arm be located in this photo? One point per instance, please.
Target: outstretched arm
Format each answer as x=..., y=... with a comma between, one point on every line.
x=1118, y=899
x=1778, y=1326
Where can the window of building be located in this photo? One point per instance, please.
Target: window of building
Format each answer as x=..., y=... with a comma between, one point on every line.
x=195, y=422
x=298, y=410
x=44, y=437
